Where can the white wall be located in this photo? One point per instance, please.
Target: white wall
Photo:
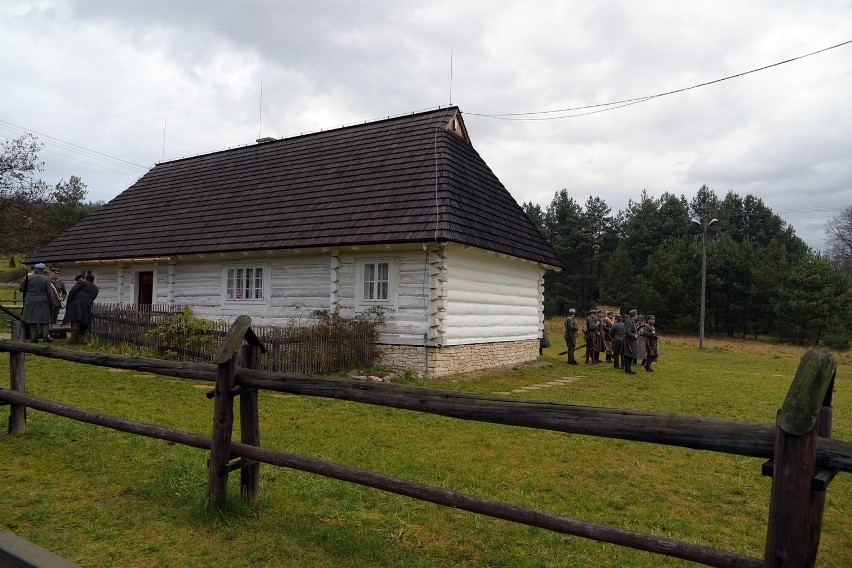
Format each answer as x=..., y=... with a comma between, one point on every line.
x=451, y=295
x=490, y=297
x=406, y=319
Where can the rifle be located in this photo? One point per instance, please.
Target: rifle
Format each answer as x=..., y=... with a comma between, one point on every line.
x=575, y=349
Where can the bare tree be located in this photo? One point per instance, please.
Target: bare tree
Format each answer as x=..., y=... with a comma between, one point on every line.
x=18, y=165
x=23, y=196
x=838, y=241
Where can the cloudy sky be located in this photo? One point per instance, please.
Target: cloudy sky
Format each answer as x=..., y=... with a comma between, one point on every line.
x=113, y=87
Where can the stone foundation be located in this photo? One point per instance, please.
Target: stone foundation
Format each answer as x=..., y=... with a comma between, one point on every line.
x=440, y=361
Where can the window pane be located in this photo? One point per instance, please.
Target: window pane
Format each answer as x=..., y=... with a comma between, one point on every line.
x=369, y=281
x=376, y=281
x=382, y=281
x=245, y=283
x=229, y=294
x=258, y=283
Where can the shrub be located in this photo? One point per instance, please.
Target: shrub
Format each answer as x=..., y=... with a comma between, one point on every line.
x=181, y=333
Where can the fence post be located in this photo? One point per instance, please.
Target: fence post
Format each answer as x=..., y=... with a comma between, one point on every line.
x=223, y=414
x=223, y=425
x=250, y=426
x=17, y=382
x=797, y=499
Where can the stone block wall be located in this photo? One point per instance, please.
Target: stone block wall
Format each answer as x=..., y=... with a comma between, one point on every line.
x=440, y=361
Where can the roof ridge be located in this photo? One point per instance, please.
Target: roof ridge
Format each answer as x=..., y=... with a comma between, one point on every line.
x=369, y=122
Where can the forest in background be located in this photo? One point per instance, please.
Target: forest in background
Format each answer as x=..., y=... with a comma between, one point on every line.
x=762, y=279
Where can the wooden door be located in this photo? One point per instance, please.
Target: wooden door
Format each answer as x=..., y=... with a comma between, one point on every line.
x=145, y=288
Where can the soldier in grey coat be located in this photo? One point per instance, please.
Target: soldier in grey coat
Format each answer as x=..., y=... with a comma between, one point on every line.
x=649, y=335
x=61, y=293
x=629, y=349
x=641, y=344
x=617, y=333
x=39, y=299
x=571, y=336
x=78, y=312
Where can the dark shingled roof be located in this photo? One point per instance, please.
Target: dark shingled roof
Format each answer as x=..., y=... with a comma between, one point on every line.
x=373, y=183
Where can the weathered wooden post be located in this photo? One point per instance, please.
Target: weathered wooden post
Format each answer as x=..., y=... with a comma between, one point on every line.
x=223, y=413
x=17, y=382
x=250, y=419
x=798, y=489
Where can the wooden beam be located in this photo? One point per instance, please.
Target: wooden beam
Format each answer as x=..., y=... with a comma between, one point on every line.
x=740, y=438
x=223, y=427
x=523, y=515
x=16, y=552
x=18, y=382
x=250, y=426
x=233, y=340
x=796, y=504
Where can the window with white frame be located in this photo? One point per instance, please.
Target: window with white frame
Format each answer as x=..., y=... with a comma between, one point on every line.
x=244, y=283
x=376, y=282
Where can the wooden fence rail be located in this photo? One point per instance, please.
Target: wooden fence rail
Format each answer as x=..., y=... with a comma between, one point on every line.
x=811, y=391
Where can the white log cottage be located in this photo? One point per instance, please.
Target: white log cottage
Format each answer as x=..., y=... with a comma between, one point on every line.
x=400, y=213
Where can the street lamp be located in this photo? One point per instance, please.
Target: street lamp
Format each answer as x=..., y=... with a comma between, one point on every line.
x=703, y=223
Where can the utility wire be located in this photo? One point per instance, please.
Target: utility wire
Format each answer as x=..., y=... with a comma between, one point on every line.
x=125, y=172
x=75, y=149
x=628, y=102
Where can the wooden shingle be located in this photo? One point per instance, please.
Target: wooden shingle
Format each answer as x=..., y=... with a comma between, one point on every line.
x=399, y=180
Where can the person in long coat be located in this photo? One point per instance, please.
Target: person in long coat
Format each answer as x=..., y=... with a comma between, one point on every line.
x=629, y=348
x=617, y=333
x=571, y=336
x=641, y=344
x=78, y=311
x=61, y=293
x=648, y=335
x=591, y=337
x=39, y=299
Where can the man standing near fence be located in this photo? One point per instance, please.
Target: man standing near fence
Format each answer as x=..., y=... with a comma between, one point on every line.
x=61, y=293
x=78, y=312
x=38, y=303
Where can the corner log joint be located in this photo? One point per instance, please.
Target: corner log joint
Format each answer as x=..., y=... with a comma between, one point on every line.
x=820, y=481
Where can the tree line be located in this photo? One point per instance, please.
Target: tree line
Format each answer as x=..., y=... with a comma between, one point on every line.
x=32, y=213
x=762, y=279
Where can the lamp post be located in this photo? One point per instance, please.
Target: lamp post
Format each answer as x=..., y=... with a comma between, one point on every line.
x=704, y=224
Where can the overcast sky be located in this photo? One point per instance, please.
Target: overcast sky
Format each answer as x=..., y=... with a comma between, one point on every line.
x=115, y=76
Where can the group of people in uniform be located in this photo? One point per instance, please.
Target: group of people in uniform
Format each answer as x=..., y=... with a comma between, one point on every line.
x=44, y=297
x=623, y=338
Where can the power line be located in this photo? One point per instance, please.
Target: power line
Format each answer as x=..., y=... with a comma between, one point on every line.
x=126, y=172
x=75, y=149
x=628, y=102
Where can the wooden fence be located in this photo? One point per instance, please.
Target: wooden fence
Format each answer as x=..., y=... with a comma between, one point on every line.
x=309, y=347
x=802, y=456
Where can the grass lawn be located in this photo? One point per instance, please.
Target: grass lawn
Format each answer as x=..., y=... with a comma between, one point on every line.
x=104, y=498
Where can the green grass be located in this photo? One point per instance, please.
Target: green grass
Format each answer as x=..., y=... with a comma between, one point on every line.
x=104, y=498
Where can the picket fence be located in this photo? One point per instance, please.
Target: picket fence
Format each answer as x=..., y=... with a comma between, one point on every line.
x=306, y=347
